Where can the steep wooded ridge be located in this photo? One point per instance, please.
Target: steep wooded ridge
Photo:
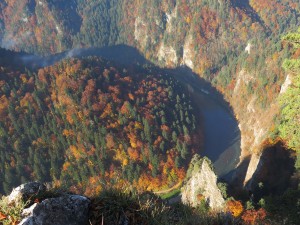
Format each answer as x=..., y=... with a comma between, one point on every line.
x=95, y=125
x=208, y=36
x=236, y=45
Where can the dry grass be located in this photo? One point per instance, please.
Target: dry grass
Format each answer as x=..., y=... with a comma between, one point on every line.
x=10, y=214
x=118, y=207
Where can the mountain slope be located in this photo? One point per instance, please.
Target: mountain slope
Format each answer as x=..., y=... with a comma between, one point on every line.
x=86, y=121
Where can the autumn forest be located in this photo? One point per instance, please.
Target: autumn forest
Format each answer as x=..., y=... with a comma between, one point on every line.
x=88, y=122
x=111, y=125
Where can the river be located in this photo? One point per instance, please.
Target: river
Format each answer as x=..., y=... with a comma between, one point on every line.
x=222, y=137
x=220, y=128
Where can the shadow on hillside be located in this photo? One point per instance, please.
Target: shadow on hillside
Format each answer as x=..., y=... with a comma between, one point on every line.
x=274, y=173
x=236, y=188
x=245, y=6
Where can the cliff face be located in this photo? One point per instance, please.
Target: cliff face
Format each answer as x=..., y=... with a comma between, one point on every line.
x=201, y=184
x=274, y=170
x=251, y=78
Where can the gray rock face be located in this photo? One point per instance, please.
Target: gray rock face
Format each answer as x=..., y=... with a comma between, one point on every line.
x=25, y=191
x=65, y=210
x=202, y=182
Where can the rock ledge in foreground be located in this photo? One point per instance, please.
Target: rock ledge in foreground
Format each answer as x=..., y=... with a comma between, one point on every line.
x=64, y=210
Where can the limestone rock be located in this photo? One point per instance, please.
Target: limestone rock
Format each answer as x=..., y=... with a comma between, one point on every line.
x=29, y=211
x=255, y=164
x=287, y=83
x=65, y=210
x=25, y=191
x=248, y=48
x=168, y=54
x=202, y=181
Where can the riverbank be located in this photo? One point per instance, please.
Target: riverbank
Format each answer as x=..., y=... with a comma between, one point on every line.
x=222, y=137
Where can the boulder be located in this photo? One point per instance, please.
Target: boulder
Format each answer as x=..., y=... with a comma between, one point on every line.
x=26, y=191
x=64, y=210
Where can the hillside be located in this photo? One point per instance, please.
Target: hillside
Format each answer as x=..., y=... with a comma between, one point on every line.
x=211, y=37
x=94, y=123
x=124, y=93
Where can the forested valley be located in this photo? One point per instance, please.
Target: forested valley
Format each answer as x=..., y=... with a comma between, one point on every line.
x=83, y=121
x=88, y=123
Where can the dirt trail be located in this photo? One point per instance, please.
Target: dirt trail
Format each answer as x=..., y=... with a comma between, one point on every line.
x=169, y=190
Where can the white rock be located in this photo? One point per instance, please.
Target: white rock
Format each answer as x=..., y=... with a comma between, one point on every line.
x=188, y=53
x=170, y=17
x=202, y=181
x=286, y=84
x=140, y=31
x=27, y=221
x=248, y=48
x=29, y=211
x=25, y=19
x=253, y=166
x=168, y=54
x=25, y=191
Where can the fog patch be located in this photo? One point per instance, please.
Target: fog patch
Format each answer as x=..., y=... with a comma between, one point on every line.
x=35, y=61
x=11, y=42
x=74, y=53
x=122, y=54
x=8, y=43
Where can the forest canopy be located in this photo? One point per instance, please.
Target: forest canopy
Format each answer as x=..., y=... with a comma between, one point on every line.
x=88, y=121
x=290, y=100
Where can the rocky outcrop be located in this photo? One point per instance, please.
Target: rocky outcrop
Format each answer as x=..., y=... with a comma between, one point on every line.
x=271, y=171
x=188, y=54
x=248, y=48
x=255, y=121
x=140, y=32
x=286, y=84
x=62, y=210
x=202, y=183
x=26, y=191
x=252, y=168
x=65, y=210
x=168, y=54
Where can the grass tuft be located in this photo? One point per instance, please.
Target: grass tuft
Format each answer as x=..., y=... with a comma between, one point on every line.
x=116, y=207
x=10, y=214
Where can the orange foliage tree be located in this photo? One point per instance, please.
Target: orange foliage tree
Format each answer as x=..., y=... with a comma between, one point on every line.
x=254, y=216
x=235, y=207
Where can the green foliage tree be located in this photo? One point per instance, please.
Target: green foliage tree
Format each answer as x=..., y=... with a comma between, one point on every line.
x=290, y=100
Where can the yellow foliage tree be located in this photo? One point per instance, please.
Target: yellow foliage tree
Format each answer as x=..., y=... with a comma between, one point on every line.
x=235, y=207
x=121, y=156
x=75, y=152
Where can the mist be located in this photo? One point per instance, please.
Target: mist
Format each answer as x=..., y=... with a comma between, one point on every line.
x=122, y=54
